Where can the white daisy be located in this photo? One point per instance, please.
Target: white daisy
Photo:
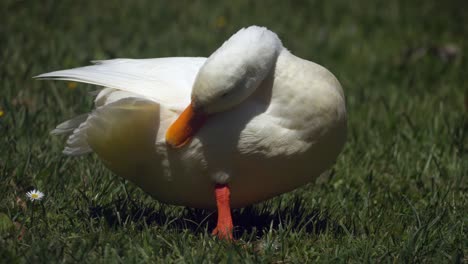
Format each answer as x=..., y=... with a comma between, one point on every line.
x=35, y=195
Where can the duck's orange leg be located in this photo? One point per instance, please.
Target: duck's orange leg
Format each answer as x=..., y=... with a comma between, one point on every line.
x=224, y=227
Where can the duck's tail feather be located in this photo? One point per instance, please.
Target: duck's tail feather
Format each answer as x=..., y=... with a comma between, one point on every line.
x=77, y=143
x=68, y=126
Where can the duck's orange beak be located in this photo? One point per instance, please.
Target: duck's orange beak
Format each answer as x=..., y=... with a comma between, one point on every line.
x=185, y=127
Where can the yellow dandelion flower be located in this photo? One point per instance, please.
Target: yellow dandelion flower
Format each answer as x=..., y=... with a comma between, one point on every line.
x=1, y=113
x=72, y=85
x=220, y=22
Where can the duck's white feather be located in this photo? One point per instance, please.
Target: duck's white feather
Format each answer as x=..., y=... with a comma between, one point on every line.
x=77, y=143
x=167, y=81
x=68, y=126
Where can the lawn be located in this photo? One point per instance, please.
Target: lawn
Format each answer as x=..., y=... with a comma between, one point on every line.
x=398, y=192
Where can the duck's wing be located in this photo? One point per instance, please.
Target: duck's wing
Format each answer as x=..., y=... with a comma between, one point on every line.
x=167, y=81
x=134, y=87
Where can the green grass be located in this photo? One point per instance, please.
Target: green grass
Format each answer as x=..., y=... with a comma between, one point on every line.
x=398, y=192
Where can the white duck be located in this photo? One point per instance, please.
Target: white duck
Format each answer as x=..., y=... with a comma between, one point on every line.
x=259, y=122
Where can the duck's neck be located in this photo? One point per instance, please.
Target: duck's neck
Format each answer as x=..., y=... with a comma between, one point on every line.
x=270, y=87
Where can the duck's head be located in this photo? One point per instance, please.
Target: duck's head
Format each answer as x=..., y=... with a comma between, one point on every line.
x=228, y=77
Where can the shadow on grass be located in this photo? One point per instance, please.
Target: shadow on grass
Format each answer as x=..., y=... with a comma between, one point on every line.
x=254, y=221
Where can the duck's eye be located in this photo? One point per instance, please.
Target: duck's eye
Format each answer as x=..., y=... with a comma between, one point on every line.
x=224, y=94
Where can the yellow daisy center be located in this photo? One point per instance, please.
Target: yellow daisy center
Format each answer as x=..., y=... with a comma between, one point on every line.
x=34, y=195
